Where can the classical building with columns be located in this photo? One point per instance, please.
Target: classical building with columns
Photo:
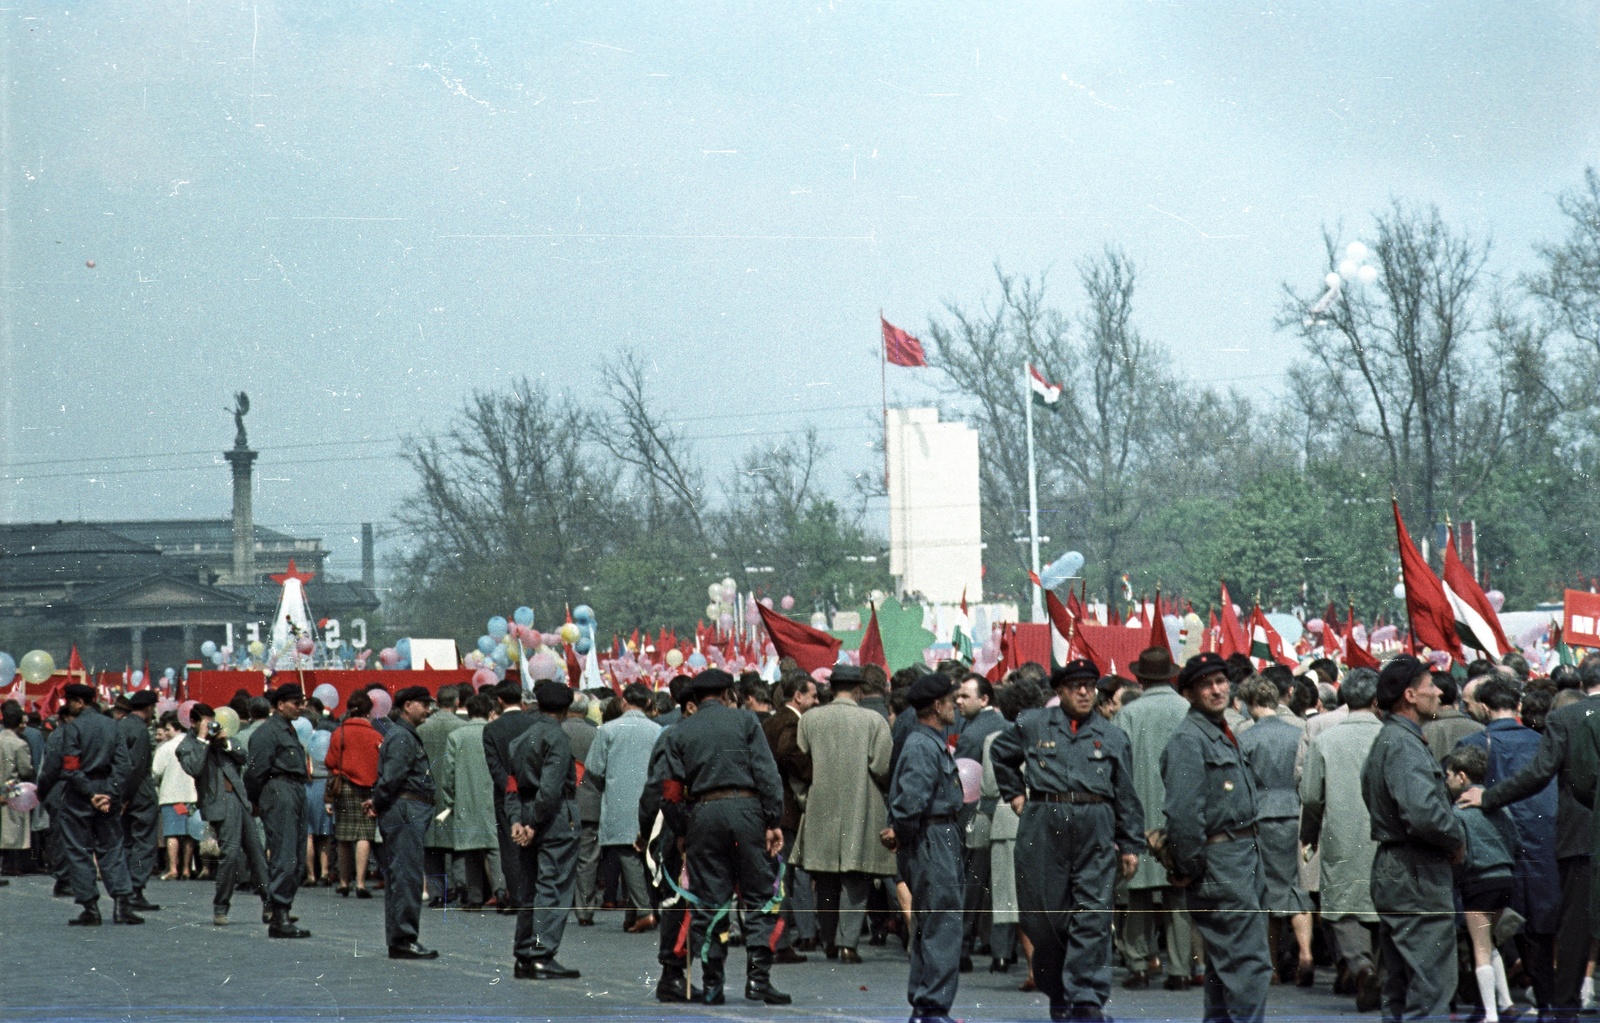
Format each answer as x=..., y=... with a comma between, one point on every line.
x=128, y=592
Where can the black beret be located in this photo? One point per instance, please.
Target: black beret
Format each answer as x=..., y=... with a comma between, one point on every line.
x=712, y=682
x=410, y=693
x=142, y=699
x=846, y=676
x=287, y=691
x=553, y=696
x=1080, y=670
x=1198, y=667
x=79, y=691
x=1396, y=677
x=928, y=690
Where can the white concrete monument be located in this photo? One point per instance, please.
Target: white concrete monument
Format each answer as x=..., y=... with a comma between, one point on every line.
x=935, y=530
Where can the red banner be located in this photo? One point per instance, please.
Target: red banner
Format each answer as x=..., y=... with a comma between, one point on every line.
x=217, y=687
x=1580, y=619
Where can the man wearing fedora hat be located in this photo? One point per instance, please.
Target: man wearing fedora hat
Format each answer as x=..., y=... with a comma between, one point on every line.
x=1150, y=722
x=1211, y=843
x=1081, y=823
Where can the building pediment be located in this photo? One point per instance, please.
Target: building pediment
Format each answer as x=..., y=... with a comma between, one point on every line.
x=156, y=592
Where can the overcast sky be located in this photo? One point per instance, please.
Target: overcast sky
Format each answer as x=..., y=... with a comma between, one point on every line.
x=358, y=212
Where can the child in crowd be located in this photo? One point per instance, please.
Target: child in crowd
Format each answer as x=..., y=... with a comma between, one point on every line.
x=1483, y=878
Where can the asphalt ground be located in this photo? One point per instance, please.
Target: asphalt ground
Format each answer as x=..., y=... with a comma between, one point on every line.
x=178, y=966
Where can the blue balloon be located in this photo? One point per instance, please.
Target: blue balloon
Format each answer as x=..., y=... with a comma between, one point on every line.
x=583, y=645
x=208, y=648
x=486, y=645
x=498, y=627
x=171, y=673
x=403, y=648
x=523, y=616
x=500, y=656
x=216, y=658
x=583, y=614
x=8, y=669
x=697, y=660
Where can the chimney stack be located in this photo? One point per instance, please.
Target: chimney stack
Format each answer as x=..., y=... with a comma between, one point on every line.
x=369, y=567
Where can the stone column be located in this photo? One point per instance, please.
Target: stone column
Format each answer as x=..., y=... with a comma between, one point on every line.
x=188, y=642
x=244, y=523
x=136, y=658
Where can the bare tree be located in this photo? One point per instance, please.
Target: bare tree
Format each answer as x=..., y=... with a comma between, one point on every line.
x=672, y=482
x=1569, y=285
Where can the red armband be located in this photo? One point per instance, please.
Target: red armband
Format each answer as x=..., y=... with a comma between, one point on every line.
x=672, y=790
x=511, y=784
x=578, y=765
x=70, y=763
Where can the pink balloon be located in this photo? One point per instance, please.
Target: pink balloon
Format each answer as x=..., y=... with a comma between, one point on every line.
x=766, y=602
x=483, y=677
x=1497, y=600
x=26, y=799
x=788, y=603
x=305, y=645
x=184, y=710
x=388, y=657
x=382, y=703
x=1314, y=625
x=971, y=773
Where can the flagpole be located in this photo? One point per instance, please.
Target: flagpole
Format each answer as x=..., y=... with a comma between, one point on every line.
x=1033, y=501
x=883, y=374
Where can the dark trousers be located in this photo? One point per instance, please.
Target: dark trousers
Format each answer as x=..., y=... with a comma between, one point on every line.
x=404, y=826
x=672, y=915
x=1066, y=877
x=1572, y=933
x=1225, y=906
x=841, y=906
x=931, y=867
x=548, y=870
x=88, y=835
x=727, y=853
x=977, y=907
x=283, y=814
x=141, y=836
x=242, y=855
x=508, y=851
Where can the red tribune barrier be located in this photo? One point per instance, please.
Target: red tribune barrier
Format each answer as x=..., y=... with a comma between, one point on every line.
x=217, y=687
x=1117, y=645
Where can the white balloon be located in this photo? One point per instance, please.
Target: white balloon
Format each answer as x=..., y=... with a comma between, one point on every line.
x=1348, y=268
x=1399, y=591
x=1367, y=274
x=1332, y=280
x=1356, y=251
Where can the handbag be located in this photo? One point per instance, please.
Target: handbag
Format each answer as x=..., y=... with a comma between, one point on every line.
x=334, y=788
x=210, y=848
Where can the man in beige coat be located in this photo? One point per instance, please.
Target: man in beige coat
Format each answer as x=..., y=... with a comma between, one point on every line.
x=850, y=748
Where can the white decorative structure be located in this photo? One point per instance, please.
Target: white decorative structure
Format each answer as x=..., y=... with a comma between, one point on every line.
x=935, y=528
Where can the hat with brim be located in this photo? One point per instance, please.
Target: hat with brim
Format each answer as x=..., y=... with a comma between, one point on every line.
x=1155, y=665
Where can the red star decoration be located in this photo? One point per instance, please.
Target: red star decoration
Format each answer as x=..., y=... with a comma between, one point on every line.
x=304, y=577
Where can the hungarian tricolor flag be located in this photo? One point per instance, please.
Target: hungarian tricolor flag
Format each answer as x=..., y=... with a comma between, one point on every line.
x=1266, y=646
x=1433, y=621
x=1042, y=390
x=810, y=648
x=1477, y=624
x=1067, y=640
x=900, y=348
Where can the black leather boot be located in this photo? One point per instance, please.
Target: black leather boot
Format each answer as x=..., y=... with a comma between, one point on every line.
x=282, y=927
x=672, y=987
x=123, y=913
x=90, y=917
x=711, y=976
x=758, y=978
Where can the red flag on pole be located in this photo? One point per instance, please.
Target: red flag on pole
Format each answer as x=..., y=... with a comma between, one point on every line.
x=1354, y=655
x=872, y=643
x=1477, y=622
x=901, y=348
x=1234, y=640
x=810, y=648
x=1433, y=621
x=1158, y=629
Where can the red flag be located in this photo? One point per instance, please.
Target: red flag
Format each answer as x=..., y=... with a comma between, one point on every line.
x=1354, y=655
x=810, y=648
x=1158, y=629
x=872, y=643
x=1477, y=622
x=1066, y=623
x=1433, y=621
x=1234, y=639
x=963, y=602
x=1331, y=644
x=900, y=348
x=574, y=669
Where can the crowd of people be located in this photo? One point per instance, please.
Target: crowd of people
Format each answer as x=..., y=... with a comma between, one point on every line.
x=1216, y=824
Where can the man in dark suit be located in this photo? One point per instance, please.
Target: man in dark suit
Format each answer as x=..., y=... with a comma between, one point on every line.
x=498, y=735
x=794, y=767
x=1573, y=824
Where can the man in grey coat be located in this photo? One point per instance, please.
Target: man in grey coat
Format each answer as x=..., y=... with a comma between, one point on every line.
x=541, y=804
x=93, y=770
x=1211, y=845
x=443, y=875
x=1419, y=839
x=275, y=781
x=141, y=810
x=581, y=733
x=215, y=762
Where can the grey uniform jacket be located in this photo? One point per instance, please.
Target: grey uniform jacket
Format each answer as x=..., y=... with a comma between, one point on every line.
x=1412, y=821
x=275, y=752
x=215, y=765
x=134, y=732
x=93, y=761
x=543, y=774
x=718, y=748
x=1094, y=758
x=925, y=786
x=403, y=767
x=1209, y=790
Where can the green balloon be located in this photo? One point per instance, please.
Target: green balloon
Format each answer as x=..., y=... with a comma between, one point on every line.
x=36, y=666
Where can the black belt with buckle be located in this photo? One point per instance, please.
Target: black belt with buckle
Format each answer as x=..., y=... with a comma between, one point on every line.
x=1231, y=835
x=1068, y=797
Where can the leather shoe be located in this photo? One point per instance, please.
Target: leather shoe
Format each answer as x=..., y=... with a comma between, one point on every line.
x=219, y=919
x=965, y=965
x=788, y=957
x=1176, y=984
x=90, y=917
x=142, y=904
x=849, y=955
x=412, y=950
x=643, y=925
x=807, y=945
x=61, y=891
x=266, y=916
x=543, y=969
x=1137, y=981
x=282, y=926
x=1369, y=993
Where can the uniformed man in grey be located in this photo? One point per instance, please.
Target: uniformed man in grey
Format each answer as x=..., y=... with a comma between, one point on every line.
x=51, y=793
x=1419, y=839
x=93, y=773
x=1081, y=824
x=541, y=803
x=275, y=782
x=141, y=809
x=216, y=764
x=402, y=799
x=924, y=808
x=720, y=764
x=666, y=847
x=1211, y=843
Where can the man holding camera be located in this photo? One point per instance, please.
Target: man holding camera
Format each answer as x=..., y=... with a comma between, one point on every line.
x=215, y=761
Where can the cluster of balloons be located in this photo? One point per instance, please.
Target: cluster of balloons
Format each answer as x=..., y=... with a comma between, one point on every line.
x=720, y=610
x=1068, y=566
